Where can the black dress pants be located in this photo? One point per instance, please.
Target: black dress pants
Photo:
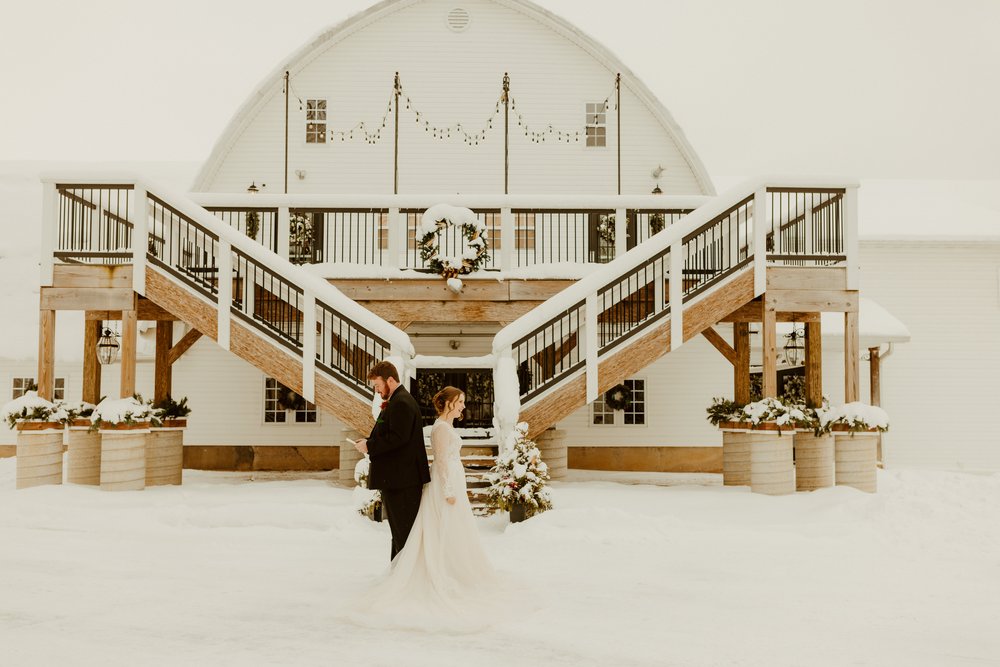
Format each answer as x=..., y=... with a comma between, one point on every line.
x=401, y=507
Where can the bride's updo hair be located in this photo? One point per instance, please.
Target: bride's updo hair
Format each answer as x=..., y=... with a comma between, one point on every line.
x=445, y=399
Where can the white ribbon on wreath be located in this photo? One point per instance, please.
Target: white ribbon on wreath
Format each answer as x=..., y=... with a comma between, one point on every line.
x=441, y=218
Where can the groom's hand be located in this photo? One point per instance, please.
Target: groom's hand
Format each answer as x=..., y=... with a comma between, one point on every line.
x=362, y=445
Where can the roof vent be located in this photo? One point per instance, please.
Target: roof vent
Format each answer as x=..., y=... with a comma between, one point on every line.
x=458, y=19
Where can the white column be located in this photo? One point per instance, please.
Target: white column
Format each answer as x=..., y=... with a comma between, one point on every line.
x=284, y=229
x=140, y=238
x=225, y=267
x=761, y=222
x=591, y=348
x=851, y=238
x=309, y=346
x=50, y=226
x=677, y=294
x=507, y=239
x=621, y=232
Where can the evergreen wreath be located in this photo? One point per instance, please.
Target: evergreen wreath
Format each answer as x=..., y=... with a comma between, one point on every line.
x=440, y=218
x=618, y=397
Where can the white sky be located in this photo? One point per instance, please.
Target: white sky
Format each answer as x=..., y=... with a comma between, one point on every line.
x=866, y=88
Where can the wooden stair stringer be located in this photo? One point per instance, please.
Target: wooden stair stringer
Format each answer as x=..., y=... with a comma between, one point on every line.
x=570, y=396
x=267, y=356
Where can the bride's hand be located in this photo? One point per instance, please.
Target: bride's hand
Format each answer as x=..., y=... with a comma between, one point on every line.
x=451, y=500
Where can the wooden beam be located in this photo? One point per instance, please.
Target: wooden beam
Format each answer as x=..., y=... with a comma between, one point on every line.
x=720, y=344
x=741, y=368
x=46, y=353
x=769, y=350
x=874, y=368
x=806, y=278
x=87, y=298
x=814, y=301
x=91, y=366
x=130, y=334
x=450, y=311
x=183, y=345
x=402, y=326
x=162, y=375
x=92, y=275
x=814, y=365
x=148, y=311
x=852, y=357
x=752, y=312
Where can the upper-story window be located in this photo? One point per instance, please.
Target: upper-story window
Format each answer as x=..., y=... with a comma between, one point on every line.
x=315, y=121
x=597, y=124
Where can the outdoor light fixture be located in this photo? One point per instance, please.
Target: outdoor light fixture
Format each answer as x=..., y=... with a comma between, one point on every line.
x=794, y=347
x=107, y=347
x=253, y=188
x=657, y=190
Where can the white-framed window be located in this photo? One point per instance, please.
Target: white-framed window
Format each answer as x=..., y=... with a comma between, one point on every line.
x=597, y=124
x=275, y=410
x=633, y=415
x=315, y=121
x=20, y=386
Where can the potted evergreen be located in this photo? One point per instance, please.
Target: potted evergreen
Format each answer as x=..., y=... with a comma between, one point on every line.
x=165, y=444
x=367, y=501
x=124, y=425
x=856, y=430
x=518, y=480
x=39, y=425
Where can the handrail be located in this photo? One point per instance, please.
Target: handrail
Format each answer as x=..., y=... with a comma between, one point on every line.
x=660, y=276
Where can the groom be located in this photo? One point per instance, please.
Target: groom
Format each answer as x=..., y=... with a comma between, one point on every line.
x=396, y=449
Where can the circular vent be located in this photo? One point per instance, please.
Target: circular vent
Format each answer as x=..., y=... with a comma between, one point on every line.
x=458, y=19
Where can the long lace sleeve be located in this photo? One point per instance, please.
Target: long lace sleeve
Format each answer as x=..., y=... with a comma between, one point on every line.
x=440, y=441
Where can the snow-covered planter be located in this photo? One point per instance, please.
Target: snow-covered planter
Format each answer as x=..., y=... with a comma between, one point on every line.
x=124, y=424
x=31, y=412
x=856, y=428
x=39, y=425
x=367, y=501
x=83, y=453
x=165, y=443
x=757, y=443
x=518, y=480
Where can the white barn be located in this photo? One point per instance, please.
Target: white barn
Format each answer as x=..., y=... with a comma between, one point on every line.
x=569, y=154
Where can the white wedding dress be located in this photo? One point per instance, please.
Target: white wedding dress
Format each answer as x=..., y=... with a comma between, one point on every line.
x=442, y=579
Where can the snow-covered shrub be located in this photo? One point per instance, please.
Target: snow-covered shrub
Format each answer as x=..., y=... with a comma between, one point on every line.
x=32, y=407
x=519, y=476
x=366, y=501
x=769, y=410
x=169, y=409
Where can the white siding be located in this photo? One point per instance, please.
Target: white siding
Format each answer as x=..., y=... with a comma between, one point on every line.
x=454, y=78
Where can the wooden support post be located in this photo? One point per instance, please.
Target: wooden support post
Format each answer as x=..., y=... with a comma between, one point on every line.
x=720, y=344
x=130, y=332
x=874, y=368
x=814, y=365
x=91, y=366
x=741, y=369
x=46, y=353
x=162, y=376
x=769, y=350
x=852, y=357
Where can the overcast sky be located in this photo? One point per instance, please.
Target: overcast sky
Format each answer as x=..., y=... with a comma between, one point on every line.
x=865, y=88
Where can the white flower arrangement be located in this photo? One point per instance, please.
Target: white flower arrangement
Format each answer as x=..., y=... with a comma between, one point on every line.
x=366, y=501
x=519, y=476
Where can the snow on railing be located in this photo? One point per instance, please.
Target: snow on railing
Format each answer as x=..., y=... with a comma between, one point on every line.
x=211, y=258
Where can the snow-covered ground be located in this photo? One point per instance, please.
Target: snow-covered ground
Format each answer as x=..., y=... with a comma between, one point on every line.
x=225, y=571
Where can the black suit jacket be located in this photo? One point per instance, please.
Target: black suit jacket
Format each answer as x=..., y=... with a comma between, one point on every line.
x=396, y=445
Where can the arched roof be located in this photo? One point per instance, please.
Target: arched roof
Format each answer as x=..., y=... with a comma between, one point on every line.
x=323, y=40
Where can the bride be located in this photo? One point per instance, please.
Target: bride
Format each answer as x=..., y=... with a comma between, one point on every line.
x=442, y=573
